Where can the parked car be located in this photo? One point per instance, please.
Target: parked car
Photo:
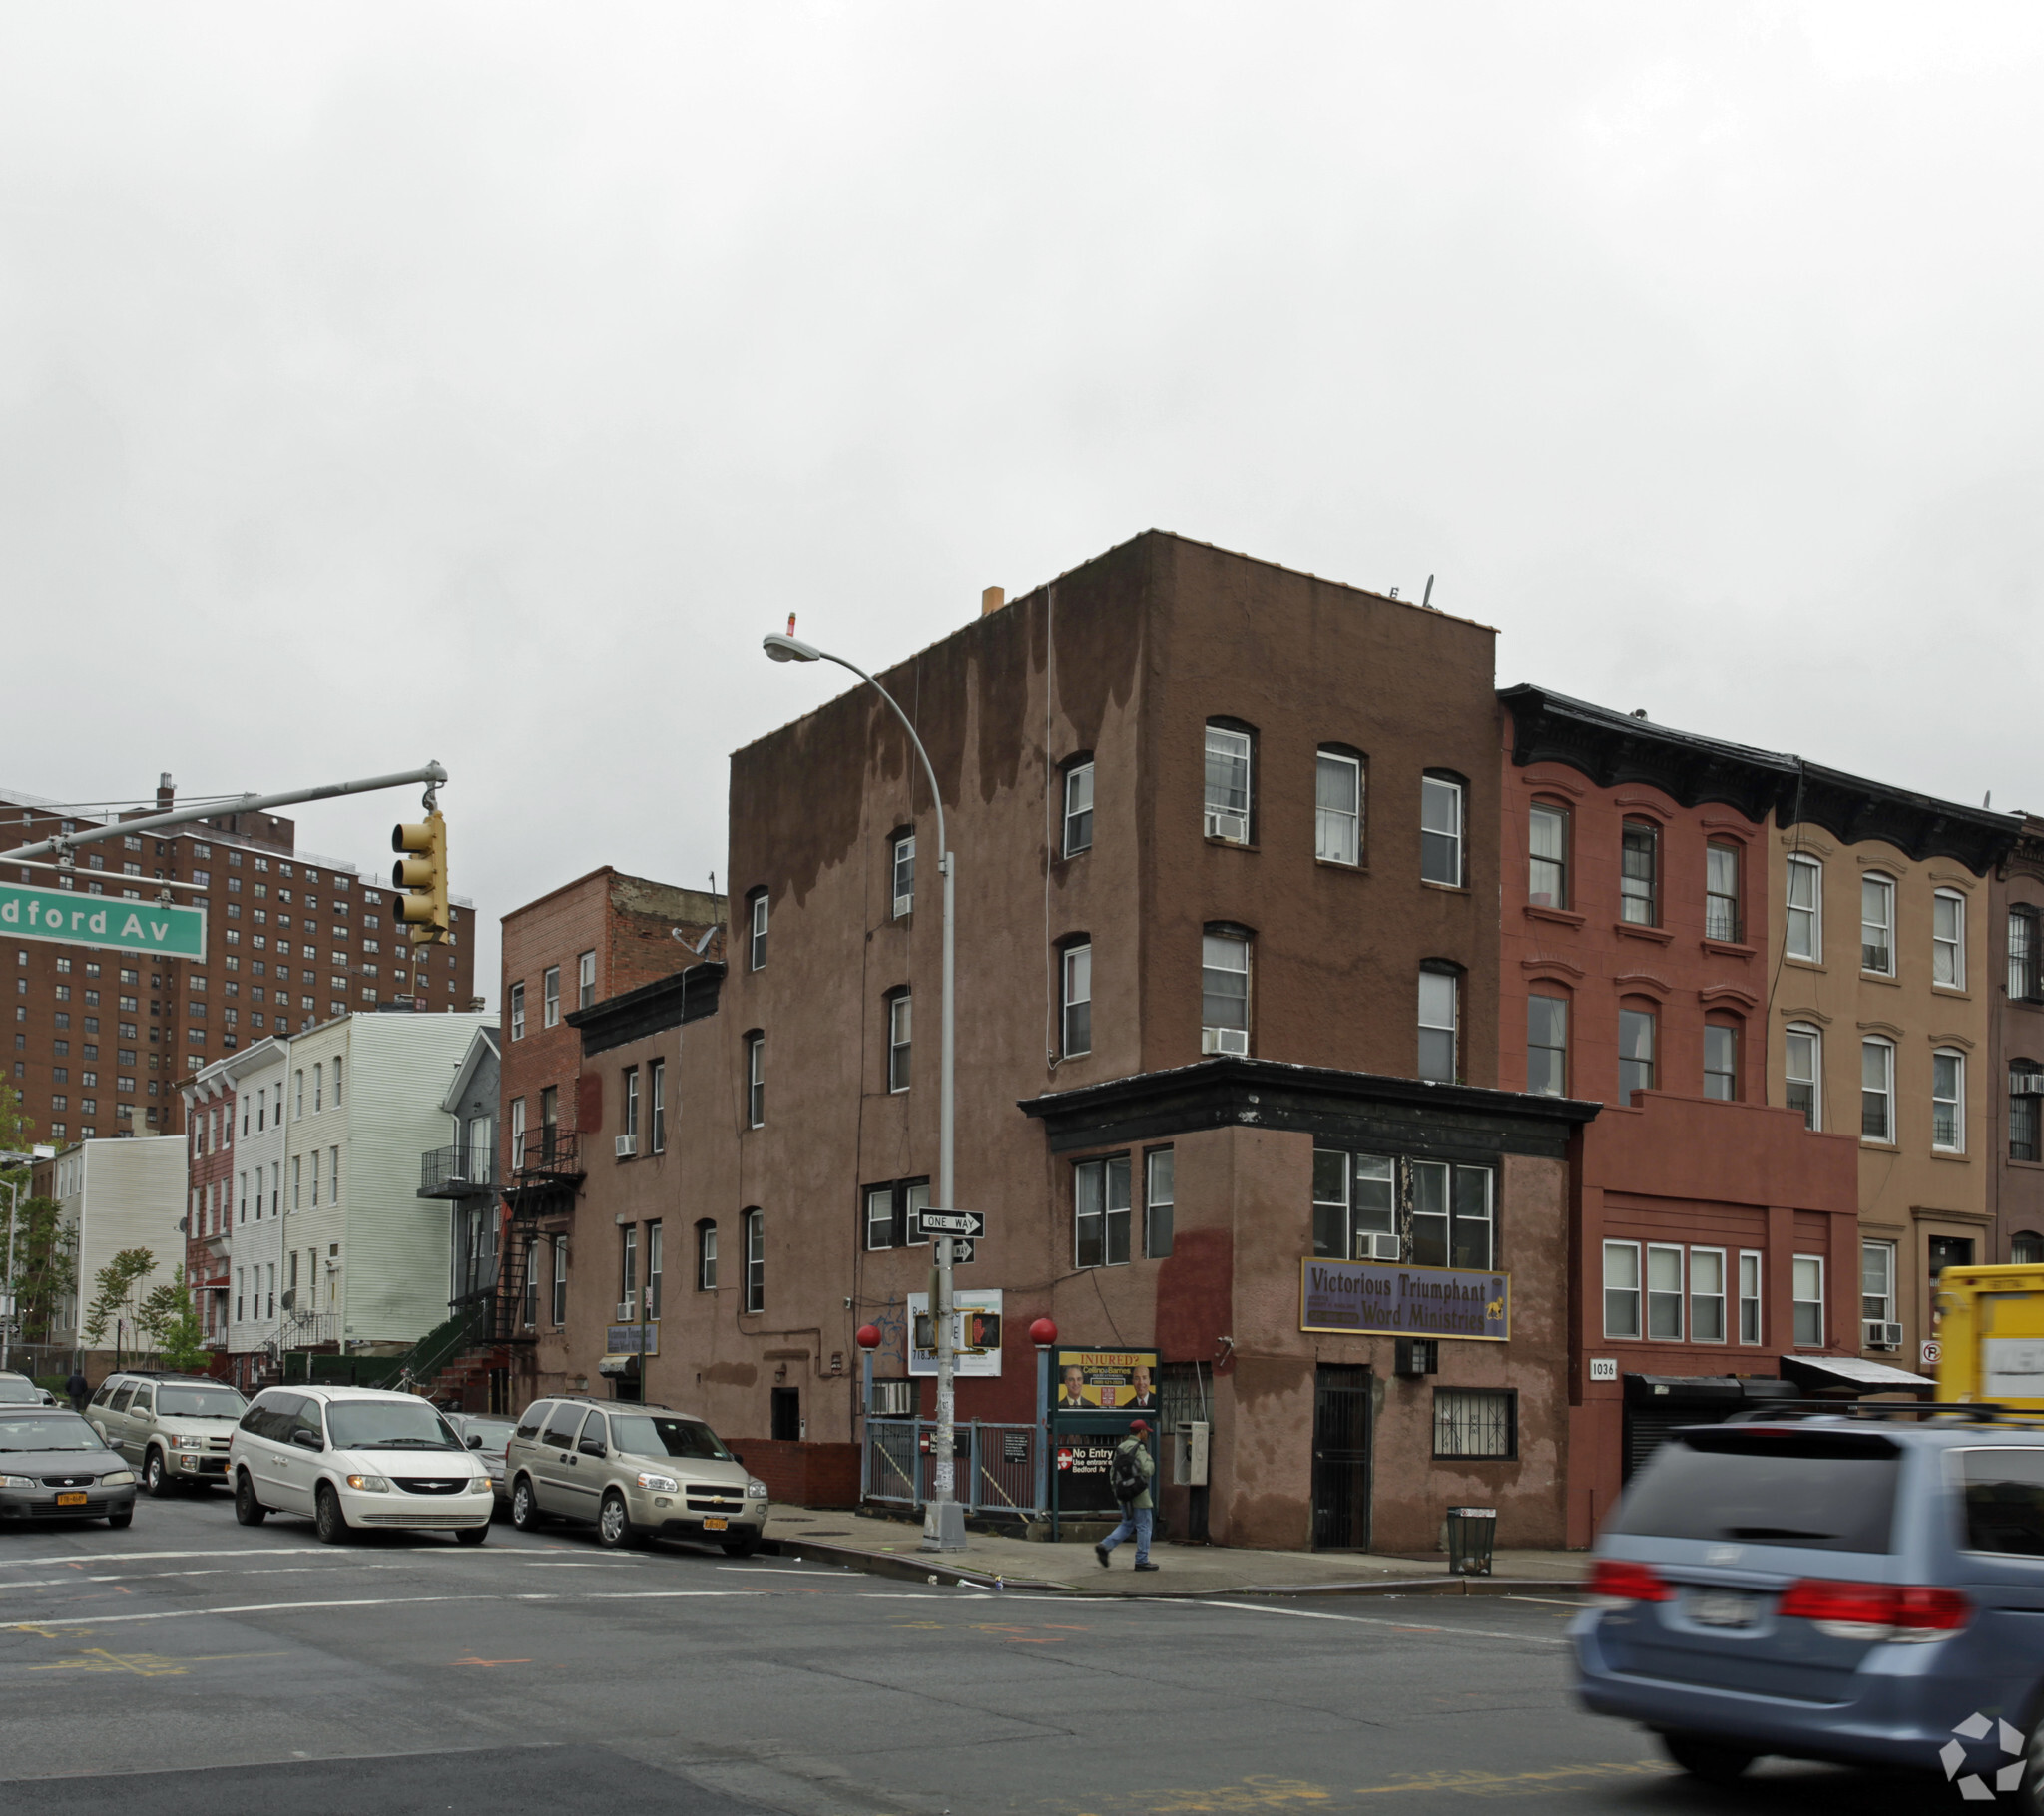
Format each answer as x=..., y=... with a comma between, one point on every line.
x=353, y=1459
x=634, y=1473
x=19, y=1390
x=53, y=1466
x=176, y=1429
x=486, y=1435
x=1833, y=1587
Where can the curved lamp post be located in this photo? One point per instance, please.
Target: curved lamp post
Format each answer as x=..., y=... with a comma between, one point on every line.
x=941, y=1531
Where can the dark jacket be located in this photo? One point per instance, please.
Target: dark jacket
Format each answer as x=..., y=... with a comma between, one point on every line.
x=78, y=1387
x=1146, y=1464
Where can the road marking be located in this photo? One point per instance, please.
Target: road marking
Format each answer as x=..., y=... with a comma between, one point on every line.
x=766, y=1570
x=142, y=1664
x=490, y=1664
x=1552, y=1602
x=1450, y=1633
x=1510, y=1783
x=87, y=1559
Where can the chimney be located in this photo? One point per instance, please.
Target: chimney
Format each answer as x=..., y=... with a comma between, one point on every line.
x=165, y=795
x=992, y=600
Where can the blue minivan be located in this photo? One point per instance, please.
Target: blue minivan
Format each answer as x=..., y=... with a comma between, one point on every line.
x=1864, y=1589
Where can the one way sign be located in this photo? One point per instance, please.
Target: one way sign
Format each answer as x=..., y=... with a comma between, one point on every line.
x=954, y=1222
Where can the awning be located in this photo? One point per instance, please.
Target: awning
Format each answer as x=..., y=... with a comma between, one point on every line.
x=617, y=1365
x=1854, y=1372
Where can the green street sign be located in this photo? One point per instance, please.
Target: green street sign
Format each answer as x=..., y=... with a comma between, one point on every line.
x=94, y=920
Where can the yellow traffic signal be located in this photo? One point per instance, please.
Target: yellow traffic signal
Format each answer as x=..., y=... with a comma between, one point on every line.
x=424, y=910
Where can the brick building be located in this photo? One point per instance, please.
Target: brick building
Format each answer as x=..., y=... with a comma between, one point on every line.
x=2014, y=1086
x=210, y=1103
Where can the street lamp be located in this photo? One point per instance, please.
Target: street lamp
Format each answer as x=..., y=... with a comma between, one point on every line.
x=13, y=1162
x=944, y=1523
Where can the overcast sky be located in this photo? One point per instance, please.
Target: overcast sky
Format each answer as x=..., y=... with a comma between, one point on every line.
x=385, y=382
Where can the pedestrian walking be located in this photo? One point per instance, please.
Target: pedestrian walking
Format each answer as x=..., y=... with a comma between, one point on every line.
x=1127, y=1475
x=79, y=1388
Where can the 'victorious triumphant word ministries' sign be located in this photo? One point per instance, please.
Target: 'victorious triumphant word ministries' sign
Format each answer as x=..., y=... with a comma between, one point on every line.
x=1384, y=1299
x=97, y=920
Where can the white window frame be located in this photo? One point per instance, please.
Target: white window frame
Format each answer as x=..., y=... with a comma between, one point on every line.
x=1811, y=913
x=1227, y=746
x=1735, y=856
x=1075, y=993
x=756, y=1081
x=1886, y=1091
x=1558, y=861
x=631, y=1105
x=1563, y=1003
x=1437, y=984
x=1102, y=1175
x=557, y=1293
x=1159, y=1201
x=880, y=1219
x=550, y=997
x=1078, y=828
x=1633, y=1289
x=1881, y=887
x=901, y=1040
x=1956, y=1098
x=1949, y=952
x=1731, y=1030
x=1753, y=1272
x=1679, y=1292
x=755, y=941
x=1438, y=793
x=1868, y=1248
x=1338, y=830
x=756, y=1260
x=656, y=1094
x=900, y=870
x=1220, y=1036
x=1801, y=1269
x=1631, y=899
x=1652, y=1017
x=705, y=1256
x=1815, y=1082
x=1721, y=1298
x=585, y=978
x=2023, y=953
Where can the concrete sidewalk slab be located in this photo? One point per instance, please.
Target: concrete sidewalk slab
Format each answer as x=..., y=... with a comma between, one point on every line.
x=892, y=1547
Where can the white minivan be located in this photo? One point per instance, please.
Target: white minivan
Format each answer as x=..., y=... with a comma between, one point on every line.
x=353, y=1458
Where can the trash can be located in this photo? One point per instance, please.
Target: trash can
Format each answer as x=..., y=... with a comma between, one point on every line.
x=1472, y=1537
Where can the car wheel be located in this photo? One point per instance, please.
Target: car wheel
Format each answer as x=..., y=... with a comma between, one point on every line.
x=614, y=1528
x=327, y=1518
x=247, y=1510
x=525, y=1514
x=742, y=1548
x=472, y=1535
x=125, y=1517
x=1711, y=1760
x=154, y=1477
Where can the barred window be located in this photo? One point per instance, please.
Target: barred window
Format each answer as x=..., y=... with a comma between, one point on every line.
x=1475, y=1422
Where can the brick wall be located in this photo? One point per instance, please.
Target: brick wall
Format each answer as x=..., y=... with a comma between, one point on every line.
x=802, y=1475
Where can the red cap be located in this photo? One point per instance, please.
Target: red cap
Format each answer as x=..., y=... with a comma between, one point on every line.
x=1139, y=1425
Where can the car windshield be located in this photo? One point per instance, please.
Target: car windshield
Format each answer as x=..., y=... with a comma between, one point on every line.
x=178, y=1402
x=649, y=1435
x=47, y=1431
x=1813, y=1490
x=495, y=1433
x=17, y=1392
x=387, y=1425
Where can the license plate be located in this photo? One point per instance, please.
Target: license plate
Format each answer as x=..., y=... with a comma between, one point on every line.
x=1723, y=1609
x=70, y=1500
x=712, y=1523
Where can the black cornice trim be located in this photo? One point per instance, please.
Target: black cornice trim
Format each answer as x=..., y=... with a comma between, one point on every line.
x=619, y=1020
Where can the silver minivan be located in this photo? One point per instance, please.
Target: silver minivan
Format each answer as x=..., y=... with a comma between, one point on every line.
x=175, y=1429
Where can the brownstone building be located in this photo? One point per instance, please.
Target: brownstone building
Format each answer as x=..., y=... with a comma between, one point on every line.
x=2015, y=1086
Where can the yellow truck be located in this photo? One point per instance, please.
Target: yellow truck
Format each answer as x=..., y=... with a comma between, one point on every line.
x=1990, y=1335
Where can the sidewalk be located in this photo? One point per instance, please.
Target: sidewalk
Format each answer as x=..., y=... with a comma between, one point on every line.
x=891, y=1548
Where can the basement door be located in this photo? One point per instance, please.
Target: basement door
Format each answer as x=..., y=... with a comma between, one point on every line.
x=1342, y=1421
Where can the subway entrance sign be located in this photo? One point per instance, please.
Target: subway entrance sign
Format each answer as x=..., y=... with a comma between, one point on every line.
x=71, y=919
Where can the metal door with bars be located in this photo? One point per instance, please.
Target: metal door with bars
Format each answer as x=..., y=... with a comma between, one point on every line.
x=1342, y=1430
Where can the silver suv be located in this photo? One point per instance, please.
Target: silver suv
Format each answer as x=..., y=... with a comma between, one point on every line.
x=634, y=1473
x=175, y=1429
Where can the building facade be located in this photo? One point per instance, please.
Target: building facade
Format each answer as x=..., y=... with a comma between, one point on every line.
x=253, y=1247
x=115, y=1195
x=2014, y=1090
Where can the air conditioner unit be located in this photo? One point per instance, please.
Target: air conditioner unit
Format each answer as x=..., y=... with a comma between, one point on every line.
x=1880, y=1335
x=902, y=904
x=628, y=1145
x=626, y=1312
x=1224, y=1040
x=1235, y=827
x=2026, y=1084
x=1381, y=1248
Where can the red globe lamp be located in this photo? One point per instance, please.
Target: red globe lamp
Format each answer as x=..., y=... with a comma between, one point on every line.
x=869, y=1336
x=1043, y=1333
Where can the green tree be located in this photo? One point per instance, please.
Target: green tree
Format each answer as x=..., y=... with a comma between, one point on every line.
x=16, y=1133
x=114, y=1292
x=170, y=1320
x=45, y=1266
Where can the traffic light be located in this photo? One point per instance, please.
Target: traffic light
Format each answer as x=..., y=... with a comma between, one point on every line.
x=424, y=875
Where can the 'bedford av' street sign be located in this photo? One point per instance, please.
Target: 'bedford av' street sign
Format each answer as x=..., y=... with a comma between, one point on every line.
x=1378, y=1299
x=98, y=920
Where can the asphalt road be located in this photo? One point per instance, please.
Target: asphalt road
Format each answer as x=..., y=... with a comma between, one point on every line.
x=189, y=1664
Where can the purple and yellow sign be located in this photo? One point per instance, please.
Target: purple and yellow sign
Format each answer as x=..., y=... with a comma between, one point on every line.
x=1375, y=1299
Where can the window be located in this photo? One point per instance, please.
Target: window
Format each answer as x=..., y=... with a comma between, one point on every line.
x=2022, y=955
x=898, y=1048
x=1079, y=808
x=756, y=941
x=1621, y=1289
x=1224, y=991
x=628, y=1273
x=517, y=1134
x=1877, y=1282
x=1440, y=830
x=656, y=1090
x=1547, y=1046
x=1229, y=798
x=756, y=1081
x=1664, y=1292
x=298, y=1093
x=1076, y=992
x=904, y=880
x=880, y=1217
x=1749, y=1296
x=1547, y=844
x=1721, y=1060
x=2024, y=1083
x=518, y=1012
x=1808, y=1273
x=705, y=1256
x=1720, y=892
x=1638, y=874
x=756, y=1260
x=1438, y=1025
x=2026, y=1248
x=1948, y=1102
x=297, y=1180
x=1337, y=808
x=1451, y=1216
x=1635, y=1051
x=550, y=994
x=653, y=1264
x=585, y=979
x=1877, y=1091
x=319, y=1088
x=632, y=1108
x=1803, y=931
x=1877, y=925
x=1475, y=1422
x=1158, y=1201
x=894, y=1213
x=1100, y=1212
x=1707, y=1295
x=1948, y=940
x=1801, y=1067
x=559, y=1307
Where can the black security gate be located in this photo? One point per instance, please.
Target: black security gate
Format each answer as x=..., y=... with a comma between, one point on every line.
x=1341, y=1459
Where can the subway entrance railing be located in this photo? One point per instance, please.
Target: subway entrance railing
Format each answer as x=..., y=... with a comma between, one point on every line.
x=997, y=1473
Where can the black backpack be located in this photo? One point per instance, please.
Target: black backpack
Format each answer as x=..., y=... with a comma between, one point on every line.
x=1125, y=1472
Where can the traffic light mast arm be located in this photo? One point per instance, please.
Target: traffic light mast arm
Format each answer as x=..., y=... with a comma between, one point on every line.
x=431, y=774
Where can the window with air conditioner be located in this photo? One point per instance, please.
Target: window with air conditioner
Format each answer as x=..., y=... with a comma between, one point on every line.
x=2025, y=1086
x=1878, y=1296
x=1356, y=1207
x=1230, y=755
x=1223, y=993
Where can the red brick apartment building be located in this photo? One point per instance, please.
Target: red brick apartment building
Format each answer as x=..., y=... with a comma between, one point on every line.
x=101, y=1039
x=208, y=1098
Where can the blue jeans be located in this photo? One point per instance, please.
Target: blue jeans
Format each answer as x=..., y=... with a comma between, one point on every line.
x=1136, y=1520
